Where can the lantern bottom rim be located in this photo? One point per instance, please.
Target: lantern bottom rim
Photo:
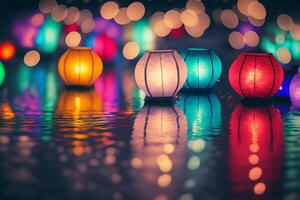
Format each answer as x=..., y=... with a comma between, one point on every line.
x=253, y=101
x=159, y=100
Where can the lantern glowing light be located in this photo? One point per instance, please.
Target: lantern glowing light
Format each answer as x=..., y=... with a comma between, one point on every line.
x=204, y=68
x=161, y=73
x=255, y=75
x=79, y=66
x=7, y=50
x=2, y=73
x=295, y=90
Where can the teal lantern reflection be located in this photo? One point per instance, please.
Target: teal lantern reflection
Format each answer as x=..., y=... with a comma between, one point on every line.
x=203, y=113
x=204, y=68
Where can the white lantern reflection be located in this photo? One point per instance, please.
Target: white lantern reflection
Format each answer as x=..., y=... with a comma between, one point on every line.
x=159, y=145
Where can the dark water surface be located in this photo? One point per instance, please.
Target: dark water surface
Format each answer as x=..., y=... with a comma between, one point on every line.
x=104, y=143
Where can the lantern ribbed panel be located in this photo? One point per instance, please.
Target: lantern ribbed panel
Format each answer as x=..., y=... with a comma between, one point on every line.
x=255, y=75
x=161, y=73
x=79, y=67
x=204, y=68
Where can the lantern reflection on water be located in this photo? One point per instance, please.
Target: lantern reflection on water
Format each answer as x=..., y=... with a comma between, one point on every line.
x=204, y=68
x=255, y=75
x=161, y=73
x=256, y=150
x=80, y=66
x=203, y=114
x=158, y=145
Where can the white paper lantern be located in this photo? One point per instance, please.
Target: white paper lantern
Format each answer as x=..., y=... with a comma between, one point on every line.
x=161, y=73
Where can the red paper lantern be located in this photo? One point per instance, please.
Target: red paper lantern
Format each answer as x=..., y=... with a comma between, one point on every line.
x=105, y=47
x=255, y=75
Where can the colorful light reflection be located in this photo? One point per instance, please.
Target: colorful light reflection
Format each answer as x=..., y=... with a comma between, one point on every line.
x=256, y=150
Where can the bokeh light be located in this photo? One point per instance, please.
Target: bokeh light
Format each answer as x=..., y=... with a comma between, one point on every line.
x=285, y=22
x=46, y=6
x=131, y=50
x=256, y=10
x=73, y=39
x=2, y=73
x=195, y=5
x=109, y=10
x=122, y=18
x=229, y=19
x=135, y=11
x=72, y=16
x=7, y=50
x=251, y=38
x=172, y=19
x=284, y=55
x=37, y=19
x=105, y=47
x=31, y=58
x=189, y=18
x=236, y=40
x=59, y=13
x=161, y=29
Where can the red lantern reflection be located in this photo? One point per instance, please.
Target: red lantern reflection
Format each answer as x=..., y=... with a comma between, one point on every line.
x=255, y=75
x=7, y=50
x=105, y=47
x=256, y=150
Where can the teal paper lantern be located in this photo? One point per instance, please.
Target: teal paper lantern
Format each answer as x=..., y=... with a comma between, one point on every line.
x=203, y=113
x=204, y=68
x=2, y=73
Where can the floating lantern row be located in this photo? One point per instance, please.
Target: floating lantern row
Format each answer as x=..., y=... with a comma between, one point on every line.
x=80, y=66
x=162, y=73
x=255, y=75
x=204, y=68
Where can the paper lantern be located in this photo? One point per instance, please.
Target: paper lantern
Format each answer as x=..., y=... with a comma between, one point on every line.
x=105, y=47
x=203, y=113
x=255, y=75
x=160, y=73
x=79, y=66
x=204, y=68
x=7, y=50
x=160, y=123
x=255, y=151
x=295, y=89
x=2, y=73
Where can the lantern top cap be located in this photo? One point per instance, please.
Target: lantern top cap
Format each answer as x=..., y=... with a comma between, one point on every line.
x=256, y=54
x=162, y=51
x=80, y=48
x=198, y=49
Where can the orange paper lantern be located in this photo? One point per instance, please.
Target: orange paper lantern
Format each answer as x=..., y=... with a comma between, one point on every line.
x=80, y=66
